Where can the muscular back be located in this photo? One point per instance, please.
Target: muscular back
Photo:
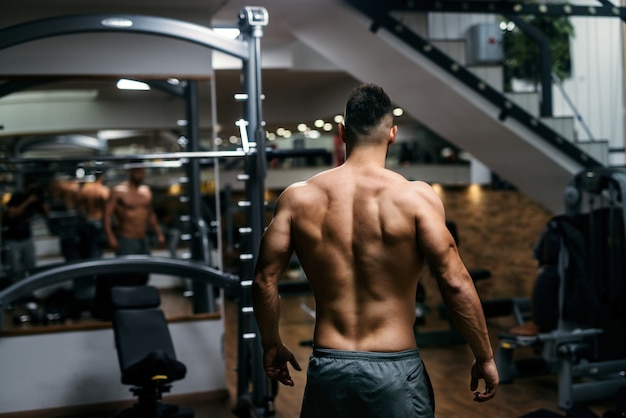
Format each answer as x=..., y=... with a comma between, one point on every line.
x=93, y=198
x=362, y=224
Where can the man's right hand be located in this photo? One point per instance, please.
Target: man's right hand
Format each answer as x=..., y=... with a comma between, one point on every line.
x=113, y=244
x=487, y=371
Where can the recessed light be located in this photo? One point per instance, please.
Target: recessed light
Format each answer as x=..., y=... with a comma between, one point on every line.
x=126, y=84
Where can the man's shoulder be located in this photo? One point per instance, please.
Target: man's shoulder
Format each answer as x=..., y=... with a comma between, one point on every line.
x=414, y=194
x=398, y=181
x=303, y=192
x=297, y=190
x=123, y=186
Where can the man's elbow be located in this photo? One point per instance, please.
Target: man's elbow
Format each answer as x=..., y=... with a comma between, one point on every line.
x=454, y=282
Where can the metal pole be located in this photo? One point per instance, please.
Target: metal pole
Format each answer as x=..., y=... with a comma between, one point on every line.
x=545, y=109
x=251, y=23
x=572, y=106
x=203, y=300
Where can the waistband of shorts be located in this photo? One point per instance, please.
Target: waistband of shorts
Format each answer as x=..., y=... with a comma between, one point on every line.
x=369, y=355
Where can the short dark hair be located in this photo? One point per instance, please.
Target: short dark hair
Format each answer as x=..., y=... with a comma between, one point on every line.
x=366, y=107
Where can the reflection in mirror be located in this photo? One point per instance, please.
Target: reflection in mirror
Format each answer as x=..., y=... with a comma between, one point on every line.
x=58, y=173
x=65, y=223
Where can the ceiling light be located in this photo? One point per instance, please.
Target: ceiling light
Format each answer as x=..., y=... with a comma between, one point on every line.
x=338, y=119
x=318, y=123
x=108, y=134
x=302, y=127
x=398, y=111
x=328, y=127
x=126, y=84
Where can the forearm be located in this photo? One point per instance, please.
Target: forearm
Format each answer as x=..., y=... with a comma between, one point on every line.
x=465, y=310
x=15, y=211
x=154, y=224
x=109, y=209
x=266, y=304
x=106, y=226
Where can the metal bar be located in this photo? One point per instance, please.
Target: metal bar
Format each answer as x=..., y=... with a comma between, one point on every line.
x=203, y=300
x=592, y=391
x=505, y=7
x=542, y=41
x=171, y=28
x=251, y=22
x=217, y=175
x=508, y=108
x=163, y=156
x=270, y=153
x=569, y=101
x=117, y=265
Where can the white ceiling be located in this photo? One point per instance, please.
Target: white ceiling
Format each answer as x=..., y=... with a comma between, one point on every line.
x=294, y=78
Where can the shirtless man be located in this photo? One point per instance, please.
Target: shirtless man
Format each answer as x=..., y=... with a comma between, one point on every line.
x=130, y=204
x=92, y=200
x=363, y=234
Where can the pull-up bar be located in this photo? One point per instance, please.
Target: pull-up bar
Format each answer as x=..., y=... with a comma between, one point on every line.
x=67, y=25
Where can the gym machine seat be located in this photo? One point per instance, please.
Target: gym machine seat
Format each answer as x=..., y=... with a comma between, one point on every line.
x=145, y=351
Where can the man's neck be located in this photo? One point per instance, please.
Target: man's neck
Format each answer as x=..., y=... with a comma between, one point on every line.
x=367, y=156
x=134, y=184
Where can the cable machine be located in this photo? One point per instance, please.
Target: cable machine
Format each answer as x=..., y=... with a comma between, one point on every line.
x=253, y=389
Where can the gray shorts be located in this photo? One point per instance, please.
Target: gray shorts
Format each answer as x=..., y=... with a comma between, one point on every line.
x=132, y=246
x=367, y=384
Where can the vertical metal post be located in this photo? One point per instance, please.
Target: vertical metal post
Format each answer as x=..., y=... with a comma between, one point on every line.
x=203, y=298
x=545, y=58
x=251, y=23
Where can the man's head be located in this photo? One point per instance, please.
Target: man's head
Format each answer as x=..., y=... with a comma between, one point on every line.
x=136, y=175
x=368, y=117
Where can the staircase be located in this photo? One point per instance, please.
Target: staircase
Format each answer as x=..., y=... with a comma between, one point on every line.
x=462, y=104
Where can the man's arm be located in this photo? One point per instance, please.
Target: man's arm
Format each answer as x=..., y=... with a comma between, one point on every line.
x=274, y=254
x=14, y=210
x=154, y=224
x=109, y=209
x=458, y=292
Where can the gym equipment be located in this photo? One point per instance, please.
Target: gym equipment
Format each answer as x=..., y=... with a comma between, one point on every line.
x=587, y=350
x=119, y=266
x=253, y=384
x=145, y=351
